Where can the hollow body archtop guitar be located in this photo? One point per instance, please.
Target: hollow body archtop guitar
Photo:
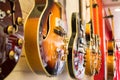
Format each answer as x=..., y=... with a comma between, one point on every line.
x=47, y=38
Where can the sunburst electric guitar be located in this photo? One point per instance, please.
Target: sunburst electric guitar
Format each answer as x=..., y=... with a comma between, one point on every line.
x=11, y=35
x=76, y=47
x=45, y=38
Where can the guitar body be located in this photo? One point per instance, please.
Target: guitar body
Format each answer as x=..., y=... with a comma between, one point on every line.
x=44, y=38
x=10, y=41
x=89, y=56
x=52, y=38
x=31, y=37
x=75, y=58
x=110, y=59
x=92, y=56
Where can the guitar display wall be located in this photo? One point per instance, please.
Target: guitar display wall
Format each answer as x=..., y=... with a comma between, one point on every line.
x=23, y=70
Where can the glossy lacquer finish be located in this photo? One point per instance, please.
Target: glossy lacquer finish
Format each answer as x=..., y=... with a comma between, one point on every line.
x=52, y=38
x=11, y=35
x=76, y=50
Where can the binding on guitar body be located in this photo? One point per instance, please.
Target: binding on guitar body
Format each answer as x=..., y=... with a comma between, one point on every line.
x=47, y=33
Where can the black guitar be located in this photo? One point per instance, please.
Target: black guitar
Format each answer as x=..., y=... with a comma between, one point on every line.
x=76, y=49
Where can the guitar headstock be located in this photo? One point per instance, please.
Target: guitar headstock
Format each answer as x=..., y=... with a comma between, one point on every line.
x=11, y=35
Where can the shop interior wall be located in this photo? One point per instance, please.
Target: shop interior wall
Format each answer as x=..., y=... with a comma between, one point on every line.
x=22, y=70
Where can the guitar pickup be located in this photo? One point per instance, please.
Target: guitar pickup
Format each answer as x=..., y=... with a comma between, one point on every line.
x=59, y=31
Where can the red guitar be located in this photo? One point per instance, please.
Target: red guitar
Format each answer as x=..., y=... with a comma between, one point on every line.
x=45, y=34
x=97, y=36
x=11, y=35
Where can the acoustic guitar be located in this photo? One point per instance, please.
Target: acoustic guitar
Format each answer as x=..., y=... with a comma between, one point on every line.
x=76, y=46
x=11, y=35
x=45, y=38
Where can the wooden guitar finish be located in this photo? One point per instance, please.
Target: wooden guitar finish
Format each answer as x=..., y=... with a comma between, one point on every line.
x=111, y=51
x=110, y=59
x=11, y=36
x=89, y=56
x=97, y=36
x=45, y=38
x=92, y=57
x=53, y=32
x=31, y=37
x=75, y=59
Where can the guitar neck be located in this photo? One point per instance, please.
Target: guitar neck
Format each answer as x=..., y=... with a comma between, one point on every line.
x=96, y=17
x=112, y=22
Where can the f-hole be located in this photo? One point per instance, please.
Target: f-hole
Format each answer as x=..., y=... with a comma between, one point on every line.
x=48, y=25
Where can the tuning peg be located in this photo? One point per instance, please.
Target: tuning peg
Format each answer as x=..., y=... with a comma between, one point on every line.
x=19, y=21
x=13, y=55
x=20, y=42
x=9, y=30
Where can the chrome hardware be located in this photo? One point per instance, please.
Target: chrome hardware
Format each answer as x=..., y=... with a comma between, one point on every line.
x=13, y=55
